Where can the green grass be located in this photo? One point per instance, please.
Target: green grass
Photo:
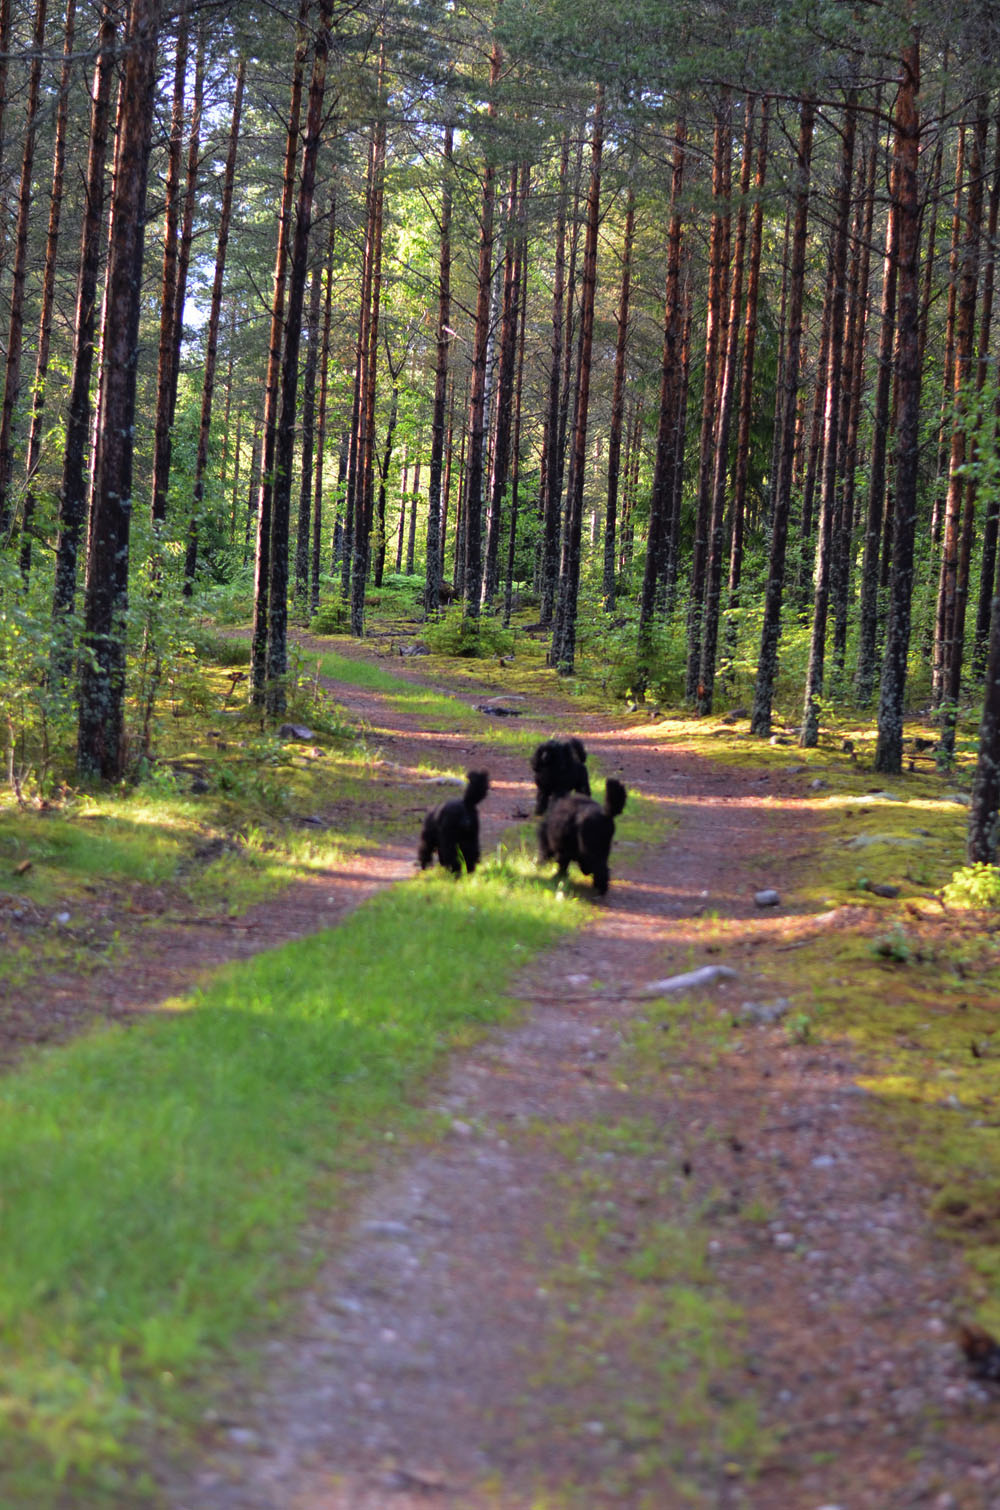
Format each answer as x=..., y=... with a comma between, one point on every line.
x=156, y=1179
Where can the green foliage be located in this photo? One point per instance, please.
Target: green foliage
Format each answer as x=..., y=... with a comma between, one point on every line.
x=976, y=885
x=333, y=616
x=457, y=634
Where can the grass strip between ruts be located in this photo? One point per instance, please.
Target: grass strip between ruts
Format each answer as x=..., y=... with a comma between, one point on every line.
x=154, y=1180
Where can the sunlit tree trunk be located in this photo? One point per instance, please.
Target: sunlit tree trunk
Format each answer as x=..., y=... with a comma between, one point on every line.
x=435, y=515
x=73, y=491
x=563, y=650
x=549, y=502
x=324, y=387
x=475, y=464
x=101, y=725
x=505, y=396
x=960, y=520
x=991, y=524
x=168, y=285
x=715, y=322
x=671, y=387
x=262, y=555
x=515, y=476
x=212, y=334
x=618, y=404
x=837, y=379
x=298, y=268
x=747, y=371
x=906, y=207
x=767, y=662
x=15, y=328
x=48, y=289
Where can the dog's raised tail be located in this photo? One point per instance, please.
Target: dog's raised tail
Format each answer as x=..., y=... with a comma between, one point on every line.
x=614, y=796
x=478, y=784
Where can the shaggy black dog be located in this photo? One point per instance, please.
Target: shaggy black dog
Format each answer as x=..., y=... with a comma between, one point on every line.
x=452, y=828
x=577, y=828
x=560, y=767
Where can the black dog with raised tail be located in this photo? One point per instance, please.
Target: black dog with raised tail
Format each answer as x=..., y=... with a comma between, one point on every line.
x=559, y=766
x=451, y=830
x=577, y=828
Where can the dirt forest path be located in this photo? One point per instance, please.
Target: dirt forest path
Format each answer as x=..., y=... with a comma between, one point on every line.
x=712, y=1284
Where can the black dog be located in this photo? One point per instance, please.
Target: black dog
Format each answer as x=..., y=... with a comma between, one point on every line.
x=452, y=828
x=577, y=828
x=560, y=767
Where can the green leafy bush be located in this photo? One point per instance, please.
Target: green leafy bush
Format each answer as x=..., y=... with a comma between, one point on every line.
x=333, y=616
x=975, y=885
x=454, y=633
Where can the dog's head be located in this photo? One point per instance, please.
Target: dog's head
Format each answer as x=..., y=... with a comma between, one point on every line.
x=559, y=766
x=478, y=784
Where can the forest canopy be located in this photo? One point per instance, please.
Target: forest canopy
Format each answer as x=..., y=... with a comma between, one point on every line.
x=666, y=326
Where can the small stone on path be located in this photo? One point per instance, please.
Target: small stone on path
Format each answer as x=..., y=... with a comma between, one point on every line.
x=767, y=898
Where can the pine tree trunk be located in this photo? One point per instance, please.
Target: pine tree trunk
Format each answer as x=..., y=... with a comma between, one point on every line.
x=48, y=289
x=906, y=207
x=715, y=321
x=716, y=541
x=955, y=563
x=947, y=392
x=747, y=372
x=563, y=649
x=549, y=500
x=767, y=662
x=515, y=476
x=991, y=524
x=477, y=397
x=833, y=420
x=262, y=554
x=671, y=387
x=435, y=516
x=168, y=286
x=101, y=726
x=277, y=621
x=411, y=539
x=73, y=492
x=383, y=474
x=324, y=384
x=365, y=483
x=618, y=405
x=505, y=396
x=864, y=685
x=15, y=328
x=985, y=808
x=212, y=334
x=307, y=458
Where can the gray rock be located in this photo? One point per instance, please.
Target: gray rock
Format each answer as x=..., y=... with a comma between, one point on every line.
x=767, y=898
x=764, y=1012
x=708, y=975
x=296, y=731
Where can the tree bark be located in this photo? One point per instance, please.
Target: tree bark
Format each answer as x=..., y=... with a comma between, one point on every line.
x=168, y=287
x=715, y=322
x=563, y=650
x=832, y=427
x=324, y=385
x=308, y=441
x=985, y=807
x=767, y=663
x=277, y=597
x=212, y=335
x=671, y=387
x=505, y=395
x=101, y=727
x=991, y=524
x=549, y=497
x=477, y=396
x=618, y=404
x=262, y=554
x=747, y=372
x=73, y=492
x=906, y=208
x=435, y=520
x=48, y=288
x=15, y=328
